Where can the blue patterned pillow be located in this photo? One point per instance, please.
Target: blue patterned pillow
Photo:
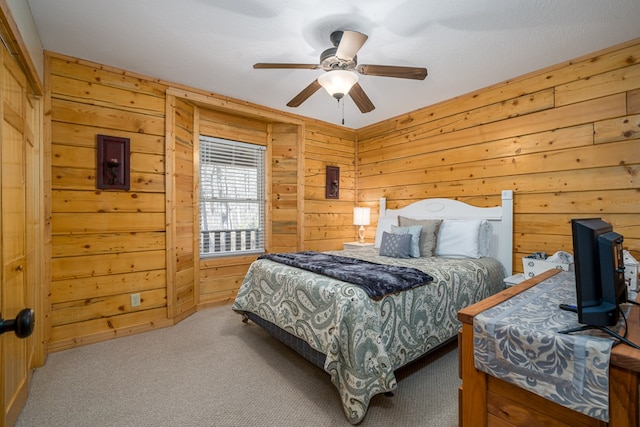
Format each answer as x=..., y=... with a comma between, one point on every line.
x=414, y=231
x=395, y=245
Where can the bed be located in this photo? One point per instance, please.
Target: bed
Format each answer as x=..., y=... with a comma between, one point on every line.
x=360, y=340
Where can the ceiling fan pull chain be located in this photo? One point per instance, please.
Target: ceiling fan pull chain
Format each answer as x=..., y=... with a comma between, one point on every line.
x=342, y=109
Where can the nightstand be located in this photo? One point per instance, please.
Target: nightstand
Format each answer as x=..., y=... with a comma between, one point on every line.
x=356, y=245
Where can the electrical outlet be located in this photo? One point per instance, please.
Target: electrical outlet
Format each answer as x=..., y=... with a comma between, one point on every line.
x=135, y=300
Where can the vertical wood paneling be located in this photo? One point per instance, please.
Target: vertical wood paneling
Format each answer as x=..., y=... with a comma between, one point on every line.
x=47, y=189
x=574, y=154
x=184, y=215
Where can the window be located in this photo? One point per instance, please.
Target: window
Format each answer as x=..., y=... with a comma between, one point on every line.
x=231, y=197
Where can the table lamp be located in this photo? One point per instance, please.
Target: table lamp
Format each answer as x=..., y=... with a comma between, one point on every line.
x=361, y=217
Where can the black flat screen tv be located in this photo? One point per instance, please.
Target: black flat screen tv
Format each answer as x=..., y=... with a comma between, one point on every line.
x=599, y=271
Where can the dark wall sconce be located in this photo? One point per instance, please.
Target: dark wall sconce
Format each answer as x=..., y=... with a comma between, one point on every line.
x=113, y=163
x=333, y=182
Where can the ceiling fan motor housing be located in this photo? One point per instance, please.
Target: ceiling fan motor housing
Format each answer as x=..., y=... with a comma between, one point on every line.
x=329, y=61
x=335, y=37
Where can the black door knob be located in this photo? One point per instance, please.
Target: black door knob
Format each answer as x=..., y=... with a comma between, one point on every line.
x=22, y=325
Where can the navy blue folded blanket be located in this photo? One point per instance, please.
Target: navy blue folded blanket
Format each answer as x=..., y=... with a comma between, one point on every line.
x=377, y=280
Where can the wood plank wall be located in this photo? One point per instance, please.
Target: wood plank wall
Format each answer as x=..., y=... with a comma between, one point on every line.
x=285, y=179
x=566, y=139
x=105, y=244
x=328, y=222
x=109, y=244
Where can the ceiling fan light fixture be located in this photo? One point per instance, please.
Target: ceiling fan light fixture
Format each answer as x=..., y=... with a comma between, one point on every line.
x=338, y=82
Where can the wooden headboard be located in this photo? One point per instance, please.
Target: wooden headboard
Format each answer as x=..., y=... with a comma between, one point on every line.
x=500, y=218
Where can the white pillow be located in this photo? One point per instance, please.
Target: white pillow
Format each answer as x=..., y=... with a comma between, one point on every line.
x=459, y=238
x=384, y=224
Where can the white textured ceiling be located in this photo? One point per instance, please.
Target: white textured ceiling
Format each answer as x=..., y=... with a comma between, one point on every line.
x=212, y=44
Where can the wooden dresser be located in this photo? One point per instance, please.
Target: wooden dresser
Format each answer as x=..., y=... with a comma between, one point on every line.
x=484, y=400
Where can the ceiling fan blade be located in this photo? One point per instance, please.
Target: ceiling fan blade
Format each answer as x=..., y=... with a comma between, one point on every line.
x=361, y=99
x=266, y=65
x=304, y=94
x=350, y=44
x=415, y=73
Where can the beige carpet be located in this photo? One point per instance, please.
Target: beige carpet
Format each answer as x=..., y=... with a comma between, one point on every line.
x=213, y=370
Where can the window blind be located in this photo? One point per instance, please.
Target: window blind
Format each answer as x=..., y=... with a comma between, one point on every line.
x=231, y=197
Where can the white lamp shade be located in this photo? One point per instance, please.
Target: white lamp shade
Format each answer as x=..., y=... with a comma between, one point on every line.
x=338, y=82
x=361, y=216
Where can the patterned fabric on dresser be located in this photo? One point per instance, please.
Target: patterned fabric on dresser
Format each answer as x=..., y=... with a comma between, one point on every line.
x=518, y=342
x=366, y=340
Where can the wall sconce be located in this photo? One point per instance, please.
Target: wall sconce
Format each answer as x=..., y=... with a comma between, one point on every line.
x=113, y=163
x=361, y=217
x=332, y=182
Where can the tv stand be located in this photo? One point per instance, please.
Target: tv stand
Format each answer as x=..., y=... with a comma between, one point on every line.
x=572, y=308
x=486, y=400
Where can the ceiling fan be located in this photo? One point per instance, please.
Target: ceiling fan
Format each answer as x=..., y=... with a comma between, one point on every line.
x=341, y=64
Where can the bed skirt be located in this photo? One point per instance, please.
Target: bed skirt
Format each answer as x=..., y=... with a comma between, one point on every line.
x=299, y=346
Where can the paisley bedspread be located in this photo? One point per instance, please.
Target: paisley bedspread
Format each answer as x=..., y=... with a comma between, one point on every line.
x=366, y=340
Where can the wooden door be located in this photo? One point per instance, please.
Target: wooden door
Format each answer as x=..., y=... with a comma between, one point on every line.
x=18, y=221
